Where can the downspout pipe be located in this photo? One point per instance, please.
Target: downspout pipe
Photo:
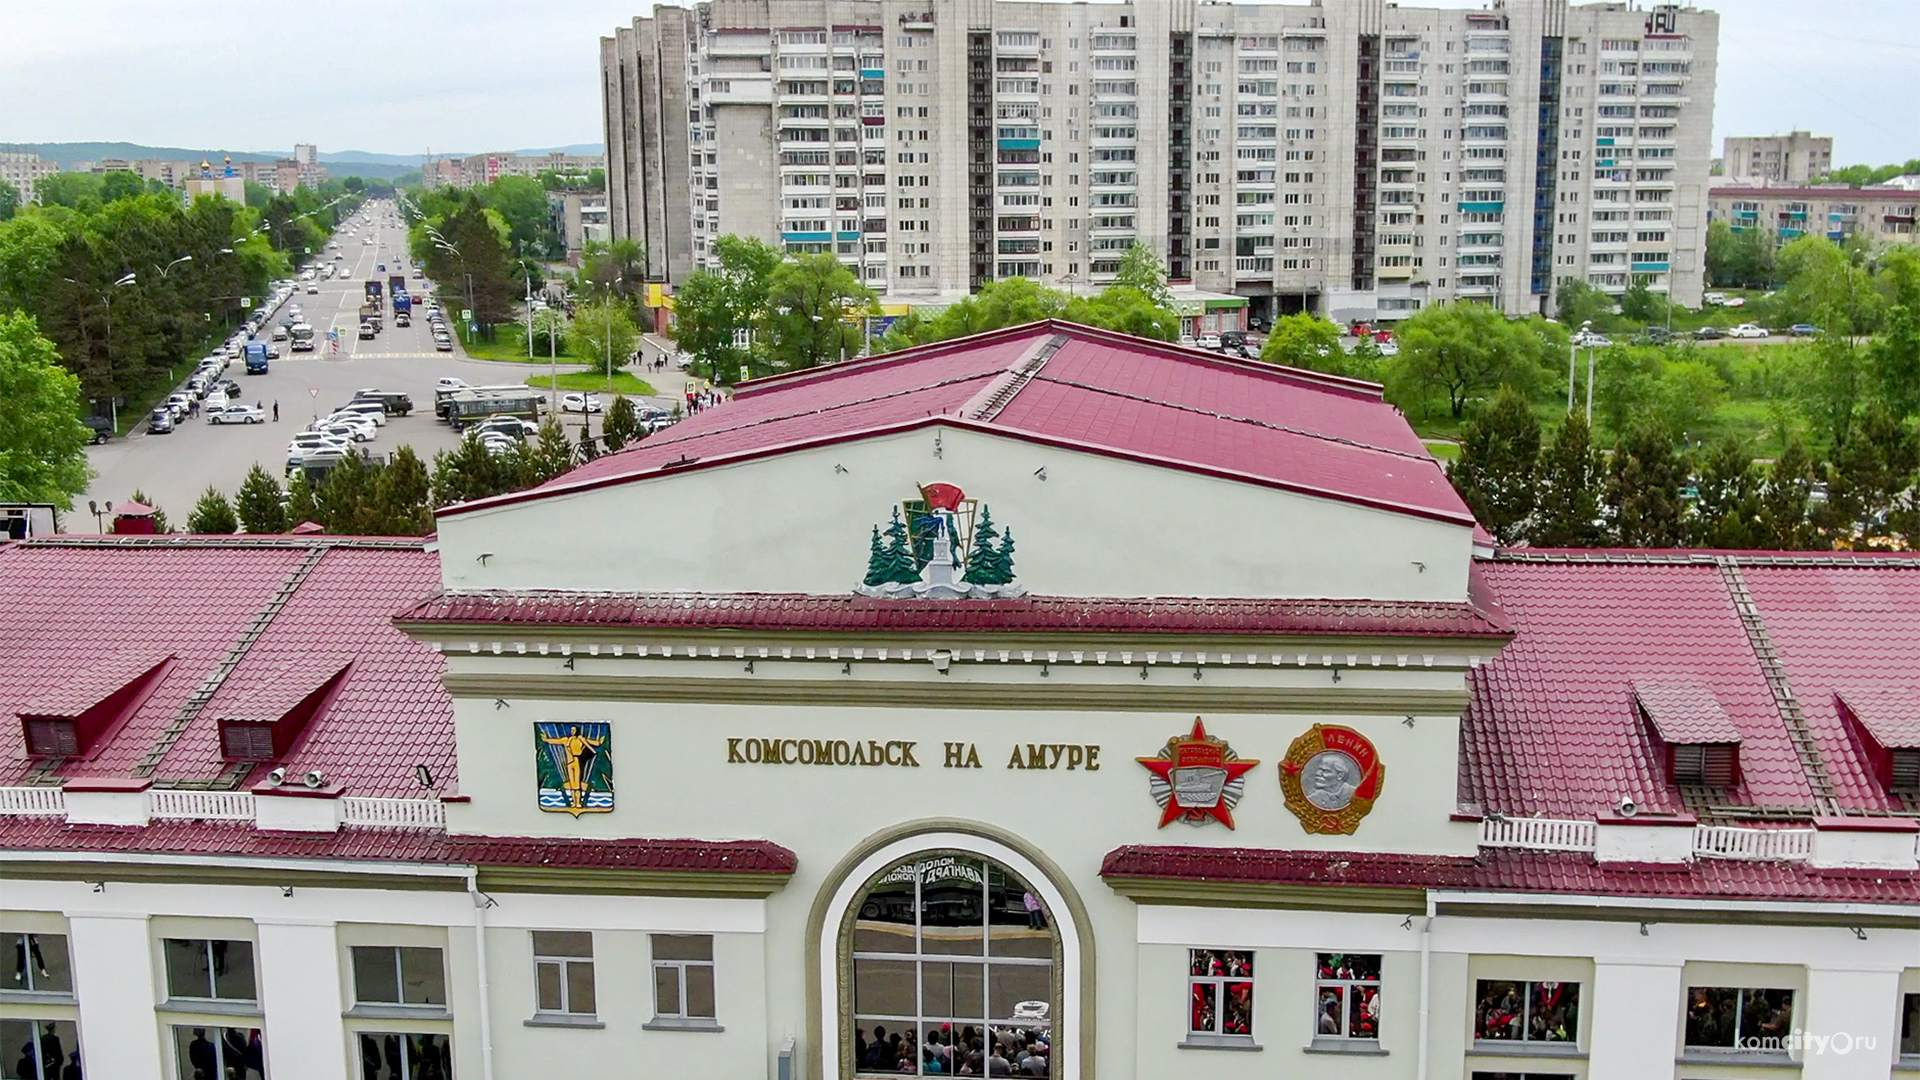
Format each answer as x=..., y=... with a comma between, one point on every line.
x=1426, y=991
x=481, y=902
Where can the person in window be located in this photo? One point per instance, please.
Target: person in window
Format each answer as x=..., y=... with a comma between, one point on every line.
x=1036, y=918
x=1329, y=1011
x=369, y=1058
x=26, y=956
x=1238, y=1009
x=25, y=1067
x=256, y=1054
x=233, y=1044
x=202, y=1057
x=51, y=1052
x=72, y=1071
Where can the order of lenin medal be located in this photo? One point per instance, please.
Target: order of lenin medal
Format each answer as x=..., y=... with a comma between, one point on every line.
x=1330, y=777
x=1197, y=778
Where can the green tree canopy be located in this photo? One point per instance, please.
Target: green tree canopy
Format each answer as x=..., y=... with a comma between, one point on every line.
x=1128, y=310
x=1142, y=269
x=1568, y=504
x=603, y=333
x=43, y=452
x=814, y=312
x=1303, y=340
x=213, y=514
x=713, y=309
x=9, y=200
x=1497, y=471
x=260, y=504
x=1462, y=350
x=1644, y=479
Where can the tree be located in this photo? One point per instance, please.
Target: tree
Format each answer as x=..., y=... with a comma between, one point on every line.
x=1643, y=489
x=1825, y=287
x=549, y=332
x=1728, y=512
x=604, y=335
x=1894, y=357
x=522, y=202
x=1004, y=302
x=1461, y=350
x=302, y=505
x=213, y=514
x=813, y=312
x=1303, y=340
x=1577, y=303
x=1784, y=500
x=1568, y=505
x=1499, y=455
x=260, y=503
x=160, y=522
x=1687, y=392
x=611, y=268
x=552, y=453
x=983, y=555
x=1739, y=257
x=712, y=306
x=43, y=445
x=344, y=498
x=9, y=200
x=1127, y=310
x=472, y=263
x=1143, y=270
x=621, y=425
x=1869, y=481
x=1642, y=304
x=401, y=497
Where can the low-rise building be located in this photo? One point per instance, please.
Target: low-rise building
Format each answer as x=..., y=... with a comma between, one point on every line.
x=1884, y=215
x=486, y=168
x=1252, y=757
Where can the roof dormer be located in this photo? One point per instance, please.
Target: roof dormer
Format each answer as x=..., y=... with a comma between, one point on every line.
x=1700, y=741
x=264, y=723
x=1887, y=722
x=70, y=719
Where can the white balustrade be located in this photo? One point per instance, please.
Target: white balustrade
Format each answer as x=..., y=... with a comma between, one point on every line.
x=394, y=813
x=37, y=800
x=1538, y=834
x=179, y=804
x=1734, y=842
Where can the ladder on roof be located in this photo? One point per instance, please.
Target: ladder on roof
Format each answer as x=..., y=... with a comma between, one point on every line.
x=197, y=701
x=1798, y=733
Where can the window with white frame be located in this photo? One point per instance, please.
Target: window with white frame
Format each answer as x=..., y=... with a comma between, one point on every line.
x=405, y=1055
x=563, y=972
x=39, y=966
x=1514, y=1011
x=398, y=975
x=1739, y=1018
x=1910, y=1025
x=683, y=978
x=1347, y=996
x=210, y=969
x=1220, y=992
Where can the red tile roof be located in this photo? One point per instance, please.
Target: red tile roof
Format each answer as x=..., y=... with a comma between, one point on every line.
x=398, y=845
x=76, y=605
x=794, y=611
x=1550, y=727
x=1890, y=714
x=1074, y=386
x=1685, y=712
x=1508, y=870
x=93, y=685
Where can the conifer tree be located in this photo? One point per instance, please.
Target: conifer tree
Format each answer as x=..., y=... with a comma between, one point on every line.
x=983, y=556
x=260, y=504
x=212, y=514
x=1729, y=509
x=160, y=523
x=1643, y=489
x=901, y=567
x=877, y=566
x=622, y=424
x=301, y=505
x=401, y=492
x=1003, y=562
x=1499, y=452
x=1568, y=510
x=1868, y=481
x=1785, y=523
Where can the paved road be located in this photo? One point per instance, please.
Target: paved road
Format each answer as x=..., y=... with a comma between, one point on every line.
x=174, y=469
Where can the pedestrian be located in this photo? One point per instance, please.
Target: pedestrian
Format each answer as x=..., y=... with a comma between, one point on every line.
x=276, y=412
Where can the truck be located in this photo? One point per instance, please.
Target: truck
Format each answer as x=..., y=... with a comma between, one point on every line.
x=402, y=303
x=373, y=288
x=370, y=316
x=396, y=283
x=256, y=358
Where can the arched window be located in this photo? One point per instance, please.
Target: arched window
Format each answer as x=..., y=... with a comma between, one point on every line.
x=954, y=967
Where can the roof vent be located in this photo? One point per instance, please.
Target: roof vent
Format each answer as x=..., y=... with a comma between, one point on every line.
x=1702, y=743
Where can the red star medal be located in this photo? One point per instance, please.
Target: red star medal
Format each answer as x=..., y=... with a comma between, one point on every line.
x=1197, y=778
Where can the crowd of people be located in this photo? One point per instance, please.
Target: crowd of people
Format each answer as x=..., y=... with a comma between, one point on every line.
x=970, y=1051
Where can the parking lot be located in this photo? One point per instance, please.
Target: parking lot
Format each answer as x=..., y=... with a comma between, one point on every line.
x=174, y=469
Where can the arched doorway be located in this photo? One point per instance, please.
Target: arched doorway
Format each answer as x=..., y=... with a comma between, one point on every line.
x=950, y=954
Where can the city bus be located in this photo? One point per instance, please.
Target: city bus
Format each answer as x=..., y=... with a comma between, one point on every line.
x=302, y=335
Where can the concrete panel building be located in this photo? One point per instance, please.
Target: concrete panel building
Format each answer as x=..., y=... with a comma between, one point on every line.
x=1792, y=159
x=23, y=168
x=1884, y=215
x=1357, y=159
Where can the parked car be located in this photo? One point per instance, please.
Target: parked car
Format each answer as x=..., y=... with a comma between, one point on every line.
x=1589, y=339
x=497, y=443
x=1713, y=299
x=1208, y=341
x=447, y=382
x=1710, y=333
x=101, y=427
x=1653, y=335
x=443, y=344
x=345, y=430
x=1747, y=330
x=234, y=414
x=580, y=403
x=160, y=421
x=507, y=425
x=1803, y=329
x=366, y=331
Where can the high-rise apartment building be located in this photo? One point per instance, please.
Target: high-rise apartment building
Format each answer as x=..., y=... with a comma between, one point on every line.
x=1795, y=158
x=23, y=169
x=1350, y=157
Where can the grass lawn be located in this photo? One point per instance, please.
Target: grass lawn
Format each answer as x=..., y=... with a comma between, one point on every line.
x=1443, y=449
x=623, y=382
x=510, y=343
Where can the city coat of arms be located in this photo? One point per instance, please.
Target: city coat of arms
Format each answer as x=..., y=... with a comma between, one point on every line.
x=574, y=764
x=1330, y=777
x=941, y=546
x=1197, y=778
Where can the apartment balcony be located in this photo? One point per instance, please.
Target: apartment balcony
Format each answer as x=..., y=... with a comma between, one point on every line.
x=1481, y=207
x=1253, y=264
x=1393, y=272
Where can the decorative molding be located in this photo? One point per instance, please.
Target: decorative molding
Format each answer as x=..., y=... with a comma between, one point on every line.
x=604, y=881
x=200, y=871
x=1135, y=696
x=1384, y=899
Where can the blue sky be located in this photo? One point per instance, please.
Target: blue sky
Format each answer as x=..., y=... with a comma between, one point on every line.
x=471, y=75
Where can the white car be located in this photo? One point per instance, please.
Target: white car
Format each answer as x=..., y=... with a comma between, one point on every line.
x=312, y=289
x=1746, y=330
x=580, y=403
x=352, y=420
x=1735, y=301
x=314, y=440
x=1587, y=339
x=345, y=431
x=234, y=414
x=498, y=444
x=1208, y=341
x=511, y=426
x=449, y=383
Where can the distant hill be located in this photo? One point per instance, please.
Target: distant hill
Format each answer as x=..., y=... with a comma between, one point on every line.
x=365, y=163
